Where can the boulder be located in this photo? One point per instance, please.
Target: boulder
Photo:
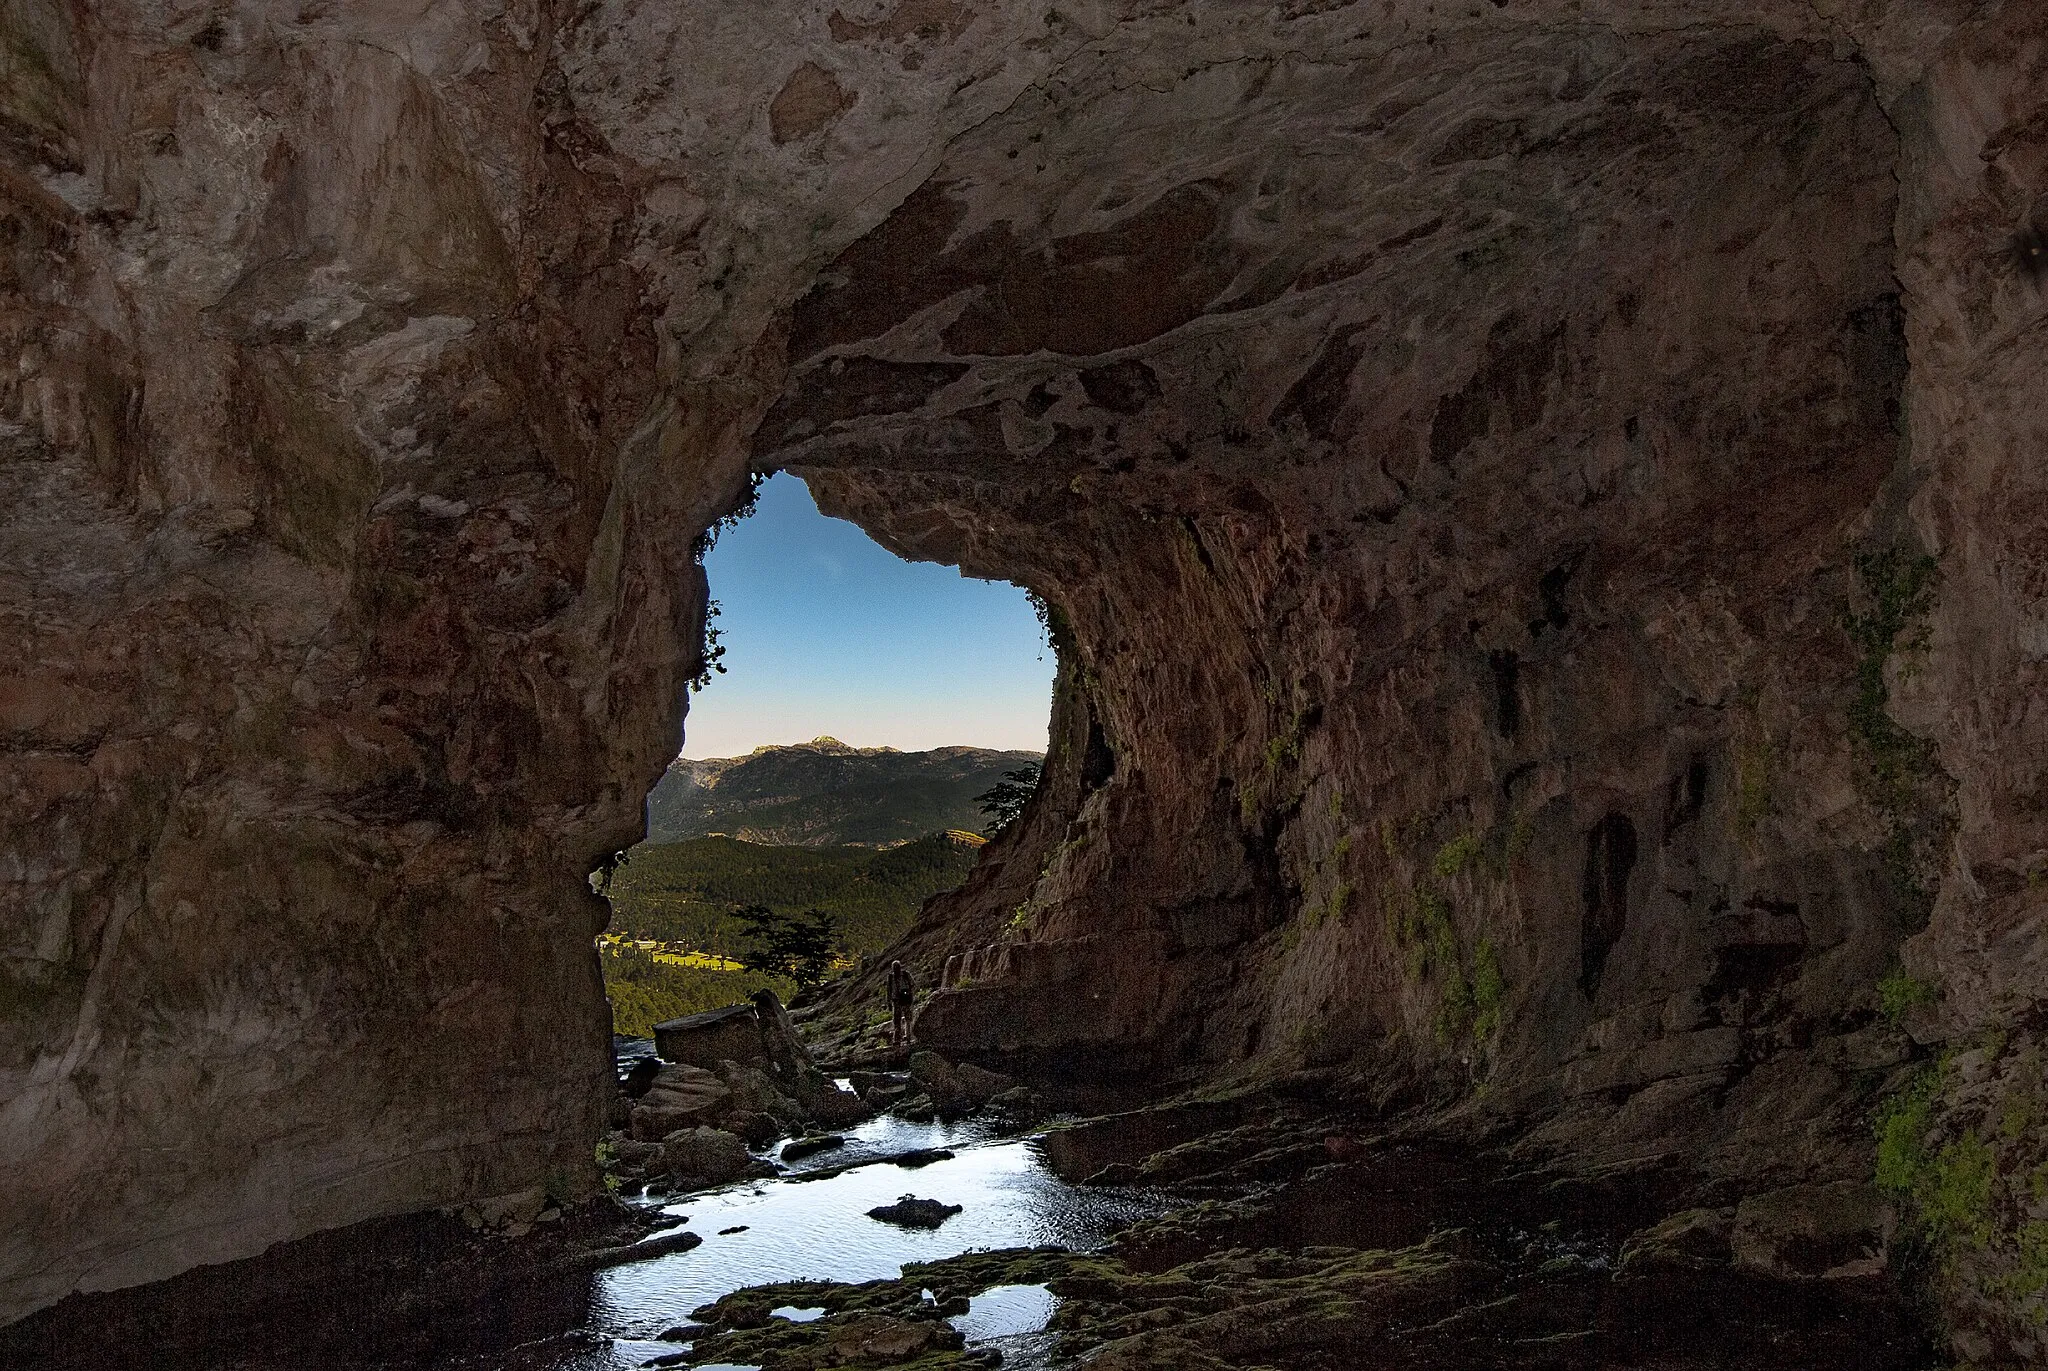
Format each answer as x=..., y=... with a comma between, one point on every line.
x=731, y=1034
x=1834, y=1230
x=681, y=1096
x=640, y=1077
x=755, y=1092
x=981, y=1086
x=825, y=1103
x=758, y=1129
x=635, y=1152
x=681, y=1078
x=1020, y=1104
x=706, y=1156
x=1691, y=1240
x=934, y=1075
x=912, y=1212
x=955, y=1090
x=941, y=1083
x=882, y=1097
x=786, y=1051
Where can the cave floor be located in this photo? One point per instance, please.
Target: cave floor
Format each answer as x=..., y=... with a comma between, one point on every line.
x=1289, y=1240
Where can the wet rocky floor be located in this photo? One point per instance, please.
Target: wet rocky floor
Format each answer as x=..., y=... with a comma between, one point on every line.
x=1259, y=1232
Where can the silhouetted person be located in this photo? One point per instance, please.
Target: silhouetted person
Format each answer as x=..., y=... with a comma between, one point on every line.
x=902, y=996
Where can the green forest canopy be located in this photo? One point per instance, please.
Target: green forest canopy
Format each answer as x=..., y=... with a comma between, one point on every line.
x=688, y=892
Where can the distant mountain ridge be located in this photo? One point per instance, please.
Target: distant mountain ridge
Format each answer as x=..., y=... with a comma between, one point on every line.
x=824, y=793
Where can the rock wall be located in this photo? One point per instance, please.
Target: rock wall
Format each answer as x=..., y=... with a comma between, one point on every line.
x=321, y=355
x=1537, y=496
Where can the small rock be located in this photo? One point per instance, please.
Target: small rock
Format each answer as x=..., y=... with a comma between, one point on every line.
x=645, y=1250
x=912, y=1212
x=736, y=1228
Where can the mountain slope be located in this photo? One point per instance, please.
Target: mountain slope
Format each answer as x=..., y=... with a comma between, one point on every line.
x=687, y=892
x=825, y=794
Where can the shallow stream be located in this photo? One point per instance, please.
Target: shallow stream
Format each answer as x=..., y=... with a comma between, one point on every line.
x=796, y=1229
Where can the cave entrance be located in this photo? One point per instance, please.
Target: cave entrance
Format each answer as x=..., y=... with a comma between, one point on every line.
x=863, y=724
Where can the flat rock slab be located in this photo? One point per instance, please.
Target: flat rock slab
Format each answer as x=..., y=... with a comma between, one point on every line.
x=911, y=1160
x=798, y=1148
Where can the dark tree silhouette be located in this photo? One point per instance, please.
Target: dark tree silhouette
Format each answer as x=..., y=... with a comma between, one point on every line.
x=798, y=946
x=1001, y=803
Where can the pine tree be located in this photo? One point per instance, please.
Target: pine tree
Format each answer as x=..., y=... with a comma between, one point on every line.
x=1001, y=803
x=798, y=946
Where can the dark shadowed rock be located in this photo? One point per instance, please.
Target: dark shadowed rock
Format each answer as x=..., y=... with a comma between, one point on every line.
x=1691, y=1239
x=1838, y=1229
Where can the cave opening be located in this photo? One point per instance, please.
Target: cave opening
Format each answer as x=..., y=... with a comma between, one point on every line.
x=861, y=726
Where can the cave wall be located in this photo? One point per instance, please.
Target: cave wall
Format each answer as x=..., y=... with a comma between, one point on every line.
x=321, y=353
x=1484, y=457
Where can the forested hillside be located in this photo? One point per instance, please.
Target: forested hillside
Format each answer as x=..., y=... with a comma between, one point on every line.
x=825, y=794
x=685, y=893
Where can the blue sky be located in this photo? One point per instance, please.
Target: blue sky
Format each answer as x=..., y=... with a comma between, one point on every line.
x=827, y=632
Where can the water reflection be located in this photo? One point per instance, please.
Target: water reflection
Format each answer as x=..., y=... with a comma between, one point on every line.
x=819, y=1230
x=1012, y=1319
